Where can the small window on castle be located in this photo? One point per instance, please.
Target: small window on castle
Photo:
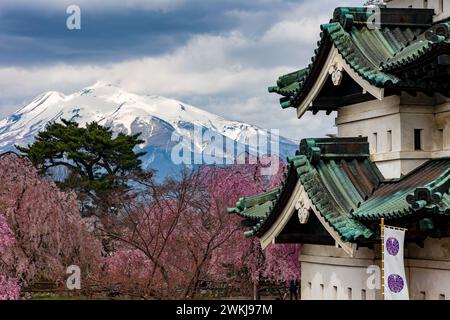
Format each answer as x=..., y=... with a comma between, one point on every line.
x=349, y=293
x=363, y=294
x=322, y=290
x=418, y=139
x=442, y=297
x=441, y=6
x=423, y=295
x=425, y=4
x=389, y=140
x=309, y=285
x=375, y=142
x=335, y=292
x=441, y=138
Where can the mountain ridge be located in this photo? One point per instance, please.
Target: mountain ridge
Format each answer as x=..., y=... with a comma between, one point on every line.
x=157, y=118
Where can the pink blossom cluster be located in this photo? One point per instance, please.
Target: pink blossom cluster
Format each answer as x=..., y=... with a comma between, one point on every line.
x=41, y=229
x=165, y=242
x=169, y=246
x=7, y=239
x=9, y=288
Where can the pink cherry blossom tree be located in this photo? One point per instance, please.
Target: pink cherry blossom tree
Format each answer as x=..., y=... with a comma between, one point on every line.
x=9, y=288
x=178, y=235
x=146, y=227
x=282, y=262
x=277, y=263
x=164, y=242
x=7, y=239
x=48, y=231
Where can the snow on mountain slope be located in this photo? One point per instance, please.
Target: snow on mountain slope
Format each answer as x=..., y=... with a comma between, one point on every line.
x=156, y=118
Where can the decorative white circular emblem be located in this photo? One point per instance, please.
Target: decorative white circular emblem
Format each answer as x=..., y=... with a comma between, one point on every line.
x=302, y=210
x=336, y=74
x=336, y=77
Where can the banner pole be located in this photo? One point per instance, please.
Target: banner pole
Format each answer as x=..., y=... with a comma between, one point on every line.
x=382, y=258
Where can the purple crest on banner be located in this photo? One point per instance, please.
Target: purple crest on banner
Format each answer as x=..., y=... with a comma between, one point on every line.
x=395, y=283
x=392, y=246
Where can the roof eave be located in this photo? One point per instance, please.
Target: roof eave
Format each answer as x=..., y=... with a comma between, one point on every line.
x=315, y=84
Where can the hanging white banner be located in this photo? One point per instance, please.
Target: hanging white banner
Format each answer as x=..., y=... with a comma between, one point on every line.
x=395, y=285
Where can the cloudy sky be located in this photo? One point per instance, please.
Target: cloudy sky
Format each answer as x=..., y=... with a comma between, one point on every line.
x=219, y=55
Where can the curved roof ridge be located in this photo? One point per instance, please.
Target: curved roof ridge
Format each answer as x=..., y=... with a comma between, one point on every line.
x=374, y=54
x=425, y=188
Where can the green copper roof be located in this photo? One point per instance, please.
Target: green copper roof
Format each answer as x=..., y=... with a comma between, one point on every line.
x=256, y=207
x=290, y=84
x=349, y=191
x=357, y=45
x=320, y=164
x=373, y=53
x=332, y=210
x=426, y=189
x=257, y=210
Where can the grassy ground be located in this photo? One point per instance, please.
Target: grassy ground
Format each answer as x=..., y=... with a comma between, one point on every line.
x=101, y=296
x=47, y=296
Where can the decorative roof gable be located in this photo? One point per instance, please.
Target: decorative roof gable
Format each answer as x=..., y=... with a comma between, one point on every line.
x=378, y=56
x=347, y=191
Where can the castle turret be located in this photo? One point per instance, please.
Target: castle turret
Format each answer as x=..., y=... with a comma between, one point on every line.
x=386, y=74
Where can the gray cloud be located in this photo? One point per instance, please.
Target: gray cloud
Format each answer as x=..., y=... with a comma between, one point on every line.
x=101, y=5
x=222, y=66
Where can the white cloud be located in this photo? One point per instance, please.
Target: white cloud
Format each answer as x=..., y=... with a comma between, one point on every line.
x=201, y=67
x=290, y=31
x=227, y=74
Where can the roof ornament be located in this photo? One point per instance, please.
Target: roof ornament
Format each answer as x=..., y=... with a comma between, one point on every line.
x=303, y=206
x=336, y=73
x=309, y=148
x=423, y=197
x=430, y=195
x=345, y=17
x=438, y=32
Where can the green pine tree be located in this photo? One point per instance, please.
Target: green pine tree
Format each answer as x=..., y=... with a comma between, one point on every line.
x=98, y=165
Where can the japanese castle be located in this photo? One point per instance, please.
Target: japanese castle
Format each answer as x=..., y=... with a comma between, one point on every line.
x=389, y=83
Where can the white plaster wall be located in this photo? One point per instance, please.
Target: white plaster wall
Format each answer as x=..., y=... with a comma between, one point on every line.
x=410, y=121
x=410, y=164
x=434, y=249
x=429, y=270
x=389, y=125
x=366, y=119
x=441, y=7
x=421, y=4
x=379, y=126
x=331, y=282
x=429, y=284
x=329, y=274
x=442, y=119
x=390, y=168
x=405, y=3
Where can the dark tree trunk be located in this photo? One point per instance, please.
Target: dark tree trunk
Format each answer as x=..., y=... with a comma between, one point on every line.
x=256, y=295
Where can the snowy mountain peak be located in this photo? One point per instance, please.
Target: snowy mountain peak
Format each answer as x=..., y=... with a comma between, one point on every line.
x=101, y=83
x=156, y=118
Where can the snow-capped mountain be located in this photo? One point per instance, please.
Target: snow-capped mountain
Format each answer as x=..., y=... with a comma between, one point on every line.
x=158, y=119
